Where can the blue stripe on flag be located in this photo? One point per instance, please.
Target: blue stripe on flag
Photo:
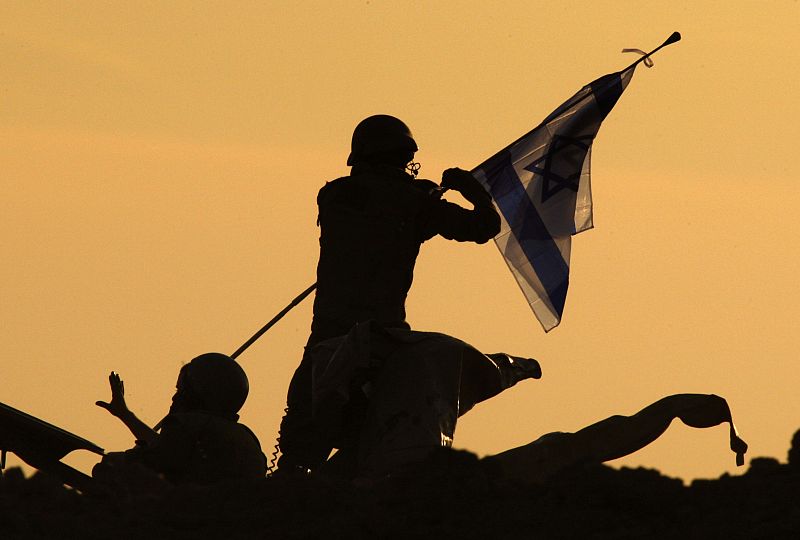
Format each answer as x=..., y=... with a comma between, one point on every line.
x=528, y=228
x=567, y=133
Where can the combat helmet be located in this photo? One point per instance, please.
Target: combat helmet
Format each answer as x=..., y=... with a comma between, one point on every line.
x=380, y=135
x=217, y=381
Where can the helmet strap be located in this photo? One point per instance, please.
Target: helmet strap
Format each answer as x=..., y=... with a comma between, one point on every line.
x=413, y=168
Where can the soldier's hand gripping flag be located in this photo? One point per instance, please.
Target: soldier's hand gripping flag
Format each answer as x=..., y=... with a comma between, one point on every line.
x=541, y=186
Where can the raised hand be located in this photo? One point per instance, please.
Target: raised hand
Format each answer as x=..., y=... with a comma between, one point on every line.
x=117, y=405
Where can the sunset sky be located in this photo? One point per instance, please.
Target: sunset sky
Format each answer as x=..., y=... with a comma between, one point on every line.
x=159, y=164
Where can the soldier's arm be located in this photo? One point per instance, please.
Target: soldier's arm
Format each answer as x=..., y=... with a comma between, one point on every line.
x=456, y=223
x=119, y=408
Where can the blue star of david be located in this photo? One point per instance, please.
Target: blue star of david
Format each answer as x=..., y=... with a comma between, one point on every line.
x=553, y=182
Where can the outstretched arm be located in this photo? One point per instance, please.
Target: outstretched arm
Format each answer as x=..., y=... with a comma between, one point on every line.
x=117, y=407
x=452, y=221
x=616, y=437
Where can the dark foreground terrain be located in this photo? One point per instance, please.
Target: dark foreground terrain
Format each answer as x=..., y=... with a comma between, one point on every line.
x=453, y=496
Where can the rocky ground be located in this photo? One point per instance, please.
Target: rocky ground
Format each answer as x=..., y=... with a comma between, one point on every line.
x=452, y=496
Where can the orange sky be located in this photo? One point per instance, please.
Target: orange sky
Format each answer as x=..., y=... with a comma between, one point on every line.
x=159, y=165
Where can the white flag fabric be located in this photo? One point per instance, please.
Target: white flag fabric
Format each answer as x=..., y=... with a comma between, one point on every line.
x=541, y=187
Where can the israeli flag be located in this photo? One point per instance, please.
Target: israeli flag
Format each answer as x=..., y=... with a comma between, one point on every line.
x=540, y=185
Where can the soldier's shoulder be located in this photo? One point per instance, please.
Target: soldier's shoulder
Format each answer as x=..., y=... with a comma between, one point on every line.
x=333, y=186
x=337, y=183
x=182, y=420
x=250, y=433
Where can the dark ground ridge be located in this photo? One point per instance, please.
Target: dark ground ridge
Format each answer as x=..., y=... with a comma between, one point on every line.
x=453, y=495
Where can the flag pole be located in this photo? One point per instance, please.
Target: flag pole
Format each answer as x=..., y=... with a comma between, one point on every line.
x=674, y=37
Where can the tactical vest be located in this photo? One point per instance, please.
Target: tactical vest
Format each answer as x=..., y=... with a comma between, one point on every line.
x=369, y=242
x=205, y=448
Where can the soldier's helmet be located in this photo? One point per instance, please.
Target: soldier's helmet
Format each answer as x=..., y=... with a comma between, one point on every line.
x=380, y=135
x=218, y=381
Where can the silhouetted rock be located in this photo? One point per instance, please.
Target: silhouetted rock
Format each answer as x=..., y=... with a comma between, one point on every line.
x=452, y=495
x=794, y=451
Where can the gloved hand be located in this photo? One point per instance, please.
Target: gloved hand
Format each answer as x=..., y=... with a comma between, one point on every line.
x=466, y=184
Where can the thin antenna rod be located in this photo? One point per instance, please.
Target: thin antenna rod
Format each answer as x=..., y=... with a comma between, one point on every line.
x=275, y=319
x=258, y=334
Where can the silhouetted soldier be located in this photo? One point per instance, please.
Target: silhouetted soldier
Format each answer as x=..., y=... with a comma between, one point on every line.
x=201, y=440
x=372, y=224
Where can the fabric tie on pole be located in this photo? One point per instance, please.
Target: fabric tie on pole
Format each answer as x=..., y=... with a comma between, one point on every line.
x=648, y=62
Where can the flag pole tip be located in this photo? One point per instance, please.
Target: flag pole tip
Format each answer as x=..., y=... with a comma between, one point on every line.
x=676, y=36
